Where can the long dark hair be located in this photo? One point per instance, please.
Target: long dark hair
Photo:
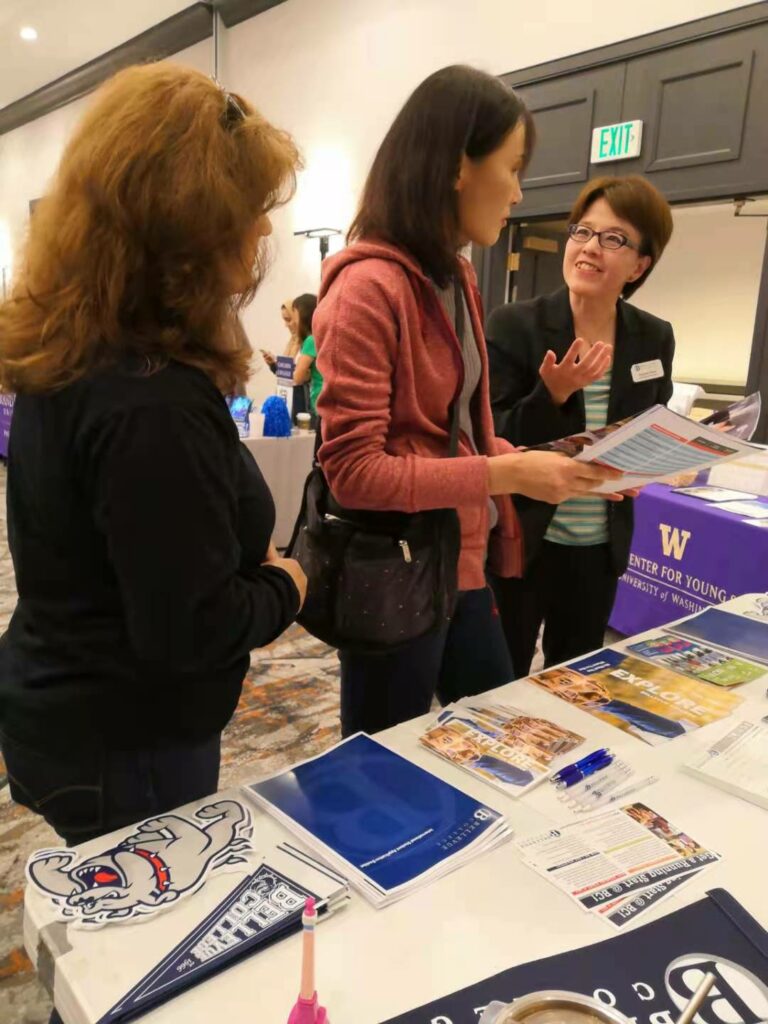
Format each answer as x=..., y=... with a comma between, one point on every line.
x=410, y=198
x=306, y=305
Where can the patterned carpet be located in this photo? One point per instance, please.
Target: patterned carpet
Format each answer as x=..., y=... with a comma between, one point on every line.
x=288, y=711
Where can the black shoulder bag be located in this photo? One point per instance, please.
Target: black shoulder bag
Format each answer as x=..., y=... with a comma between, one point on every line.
x=376, y=580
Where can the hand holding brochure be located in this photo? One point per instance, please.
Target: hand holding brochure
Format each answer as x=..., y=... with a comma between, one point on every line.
x=650, y=447
x=383, y=822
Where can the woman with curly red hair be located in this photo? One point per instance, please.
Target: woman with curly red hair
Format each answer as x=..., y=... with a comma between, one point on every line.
x=140, y=527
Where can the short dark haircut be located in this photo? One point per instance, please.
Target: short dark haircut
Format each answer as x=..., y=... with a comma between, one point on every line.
x=634, y=199
x=410, y=197
x=305, y=305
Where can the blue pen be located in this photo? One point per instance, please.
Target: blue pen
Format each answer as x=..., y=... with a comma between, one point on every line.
x=577, y=765
x=583, y=773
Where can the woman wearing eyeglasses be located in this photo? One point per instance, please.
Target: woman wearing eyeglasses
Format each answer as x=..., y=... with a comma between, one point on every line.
x=568, y=362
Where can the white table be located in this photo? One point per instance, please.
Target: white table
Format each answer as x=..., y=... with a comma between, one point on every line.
x=488, y=916
x=285, y=463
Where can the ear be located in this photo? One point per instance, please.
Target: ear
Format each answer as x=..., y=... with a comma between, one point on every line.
x=643, y=262
x=464, y=168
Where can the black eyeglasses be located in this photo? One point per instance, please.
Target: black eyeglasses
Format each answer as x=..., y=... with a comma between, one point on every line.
x=611, y=240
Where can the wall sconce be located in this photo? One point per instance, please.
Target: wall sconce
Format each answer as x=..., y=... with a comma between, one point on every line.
x=321, y=233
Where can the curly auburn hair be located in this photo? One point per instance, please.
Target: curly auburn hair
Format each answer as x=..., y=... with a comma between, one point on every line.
x=151, y=216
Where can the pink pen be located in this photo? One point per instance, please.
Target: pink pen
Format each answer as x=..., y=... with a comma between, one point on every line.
x=306, y=1010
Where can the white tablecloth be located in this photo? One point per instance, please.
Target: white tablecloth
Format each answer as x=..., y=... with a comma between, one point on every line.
x=285, y=463
x=488, y=916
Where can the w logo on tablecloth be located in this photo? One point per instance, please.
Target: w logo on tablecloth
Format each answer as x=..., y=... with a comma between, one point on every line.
x=673, y=541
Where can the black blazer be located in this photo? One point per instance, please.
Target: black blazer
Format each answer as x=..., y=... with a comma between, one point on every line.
x=519, y=335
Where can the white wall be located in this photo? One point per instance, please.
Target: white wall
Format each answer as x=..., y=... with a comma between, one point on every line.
x=706, y=285
x=29, y=156
x=335, y=72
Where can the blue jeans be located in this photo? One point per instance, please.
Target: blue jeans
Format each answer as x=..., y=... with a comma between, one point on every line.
x=466, y=657
x=87, y=792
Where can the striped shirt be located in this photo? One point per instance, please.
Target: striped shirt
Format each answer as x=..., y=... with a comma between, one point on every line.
x=583, y=521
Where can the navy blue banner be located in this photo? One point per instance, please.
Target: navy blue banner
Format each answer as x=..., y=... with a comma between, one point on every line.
x=647, y=974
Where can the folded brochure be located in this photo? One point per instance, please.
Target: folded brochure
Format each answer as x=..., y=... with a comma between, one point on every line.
x=501, y=745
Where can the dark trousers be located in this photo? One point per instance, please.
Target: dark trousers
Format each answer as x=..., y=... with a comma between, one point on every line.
x=571, y=591
x=466, y=657
x=89, y=790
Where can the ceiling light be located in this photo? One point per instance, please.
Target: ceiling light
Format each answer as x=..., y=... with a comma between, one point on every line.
x=28, y=34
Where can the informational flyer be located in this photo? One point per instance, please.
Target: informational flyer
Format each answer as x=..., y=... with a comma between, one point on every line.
x=611, y=860
x=652, y=446
x=697, y=660
x=641, y=698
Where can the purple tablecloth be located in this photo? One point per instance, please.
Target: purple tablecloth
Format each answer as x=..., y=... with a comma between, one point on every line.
x=686, y=554
x=6, y=415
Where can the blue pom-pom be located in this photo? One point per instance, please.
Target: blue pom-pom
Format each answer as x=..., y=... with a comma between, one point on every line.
x=277, y=419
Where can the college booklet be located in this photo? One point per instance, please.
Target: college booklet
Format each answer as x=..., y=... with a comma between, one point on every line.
x=383, y=822
x=653, y=445
x=697, y=660
x=639, y=697
x=499, y=744
x=736, y=633
x=161, y=958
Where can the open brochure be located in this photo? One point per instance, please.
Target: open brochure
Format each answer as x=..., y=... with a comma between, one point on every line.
x=501, y=745
x=642, y=698
x=655, y=445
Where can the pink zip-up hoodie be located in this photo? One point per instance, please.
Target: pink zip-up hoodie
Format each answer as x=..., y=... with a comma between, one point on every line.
x=391, y=366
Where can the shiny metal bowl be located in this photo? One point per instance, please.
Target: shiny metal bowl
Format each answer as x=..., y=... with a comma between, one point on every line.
x=554, y=1007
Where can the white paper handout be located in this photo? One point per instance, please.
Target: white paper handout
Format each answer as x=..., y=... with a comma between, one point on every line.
x=614, y=857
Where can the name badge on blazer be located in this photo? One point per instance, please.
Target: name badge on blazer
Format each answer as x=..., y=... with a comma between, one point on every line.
x=651, y=370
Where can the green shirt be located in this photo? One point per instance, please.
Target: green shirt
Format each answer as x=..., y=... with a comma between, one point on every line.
x=315, y=377
x=583, y=521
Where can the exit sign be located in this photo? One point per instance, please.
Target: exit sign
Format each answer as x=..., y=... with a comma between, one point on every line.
x=616, y=142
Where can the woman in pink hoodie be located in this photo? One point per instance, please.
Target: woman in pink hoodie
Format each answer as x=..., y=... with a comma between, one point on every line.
x=446, y=175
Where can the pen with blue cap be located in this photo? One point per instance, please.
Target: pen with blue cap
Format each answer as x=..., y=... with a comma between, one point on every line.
x=587, y=766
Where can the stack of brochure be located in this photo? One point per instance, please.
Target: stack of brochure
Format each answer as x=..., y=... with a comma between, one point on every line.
x=637, y=696
x=501, y=745
x=617, y=864
x=697, y=660
x=736, y=763
x=383, y=822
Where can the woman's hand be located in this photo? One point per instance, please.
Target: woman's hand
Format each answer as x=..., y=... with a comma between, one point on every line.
x=292, y=567
x=269, y=359
x=581, y=365
x=546, y=476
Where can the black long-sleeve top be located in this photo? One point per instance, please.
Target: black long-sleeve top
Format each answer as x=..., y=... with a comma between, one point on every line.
x=137, y=523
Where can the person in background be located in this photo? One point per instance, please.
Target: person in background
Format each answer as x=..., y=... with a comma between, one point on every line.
x=560, y=364
x=306, y=365
x=293, y=345
x=140, y=527
x=446, y=174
